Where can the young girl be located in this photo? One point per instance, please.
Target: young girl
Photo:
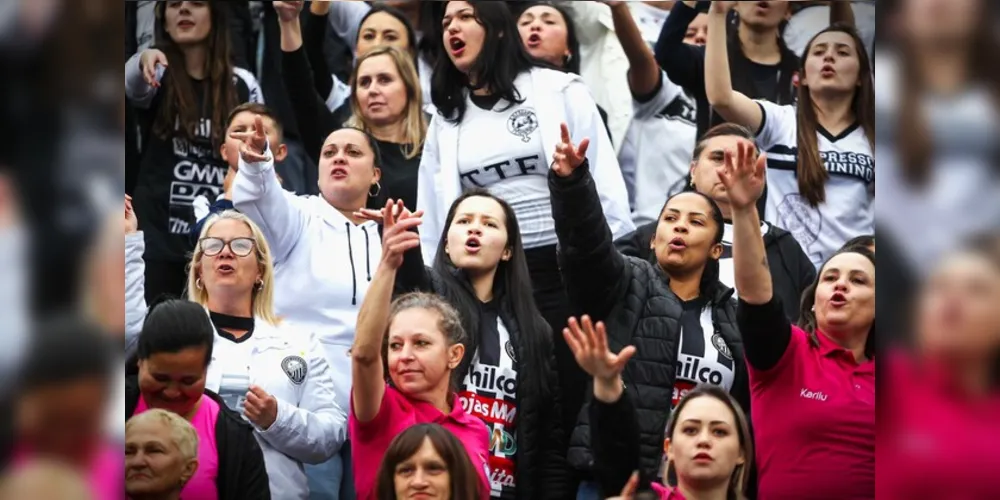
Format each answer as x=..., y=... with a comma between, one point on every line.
x=686, y=328
x=489, y=87
x=183, y=89
x=821, y=168
x=509, y=364
x=418, y=342
x=426, y=461
x=709, y=449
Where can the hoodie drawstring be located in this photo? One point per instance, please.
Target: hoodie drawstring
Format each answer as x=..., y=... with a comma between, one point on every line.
x=368, y=255
x=350, y=255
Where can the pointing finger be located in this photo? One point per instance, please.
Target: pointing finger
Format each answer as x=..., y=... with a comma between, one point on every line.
x=582, y=150
x=565, y=134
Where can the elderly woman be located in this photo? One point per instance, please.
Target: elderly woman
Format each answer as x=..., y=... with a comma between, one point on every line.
x=161, y=455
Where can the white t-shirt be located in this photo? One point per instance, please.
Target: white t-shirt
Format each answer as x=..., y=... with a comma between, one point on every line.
x=703, y=356
x=805, y=24
x=235, y=358
x=655, y=168
x=501, y=150
x=649, y=19
x=491, y=394
x=849, y=210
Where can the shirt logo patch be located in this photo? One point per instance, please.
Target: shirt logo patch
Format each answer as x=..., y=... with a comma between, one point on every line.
x=813, y=395
x=720, y=345
x=295, y=368
x=522, y=123
x=510, y=351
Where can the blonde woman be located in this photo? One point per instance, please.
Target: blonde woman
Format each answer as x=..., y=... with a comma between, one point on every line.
x=386, y=102
x=279, y=380
x=161, y=455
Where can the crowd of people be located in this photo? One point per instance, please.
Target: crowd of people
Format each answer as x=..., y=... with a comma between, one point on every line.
x=531, y=250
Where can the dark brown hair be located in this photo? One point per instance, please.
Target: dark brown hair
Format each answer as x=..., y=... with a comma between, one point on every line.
x=722, y=130
x=180, y=103
x=464, y=476
x=257, y=109
x=811, y=172
x=913, y=139
x=741, y=475
x=807, y=317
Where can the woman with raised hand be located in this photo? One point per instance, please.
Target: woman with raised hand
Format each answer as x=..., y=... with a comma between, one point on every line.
x=403, y=362
x=489, y=86
x=182, y=88
x=685, y=331
x=707, y=442
x=508, y=368
x=821, y=171
x=382, y=98
x=426, y=461
x=812, y=385
x=273, y=374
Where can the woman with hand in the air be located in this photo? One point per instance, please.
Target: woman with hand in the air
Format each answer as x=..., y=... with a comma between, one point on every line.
x=676, y=312
x=402, y=363
x=812, y=385
x=707, y=441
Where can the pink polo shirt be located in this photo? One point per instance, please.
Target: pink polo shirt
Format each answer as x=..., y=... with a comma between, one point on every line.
x=814, y=421
x=202, y=486
x=370, y=440
x=936, y=441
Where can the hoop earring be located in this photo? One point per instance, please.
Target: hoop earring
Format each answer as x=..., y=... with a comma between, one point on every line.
x=260, y=283
x=378, y=189
x=198, y=285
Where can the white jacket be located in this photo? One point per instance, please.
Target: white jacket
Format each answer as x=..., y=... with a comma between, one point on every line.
x=558, y=97
x=310, y=427
x=323, y=262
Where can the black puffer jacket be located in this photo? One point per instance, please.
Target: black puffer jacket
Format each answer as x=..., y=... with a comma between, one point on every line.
x=791, y=269
x=542, y=472
x=633, y=298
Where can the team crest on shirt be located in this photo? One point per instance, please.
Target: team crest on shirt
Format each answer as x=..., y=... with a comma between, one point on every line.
x=720, y=345
x=295, y=368
x=522, y=123
x=510, y=351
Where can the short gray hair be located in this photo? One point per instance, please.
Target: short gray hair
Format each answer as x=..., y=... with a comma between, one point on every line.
x=182, y=433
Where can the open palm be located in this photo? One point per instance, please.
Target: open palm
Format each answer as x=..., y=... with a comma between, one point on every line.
x=743, y=175
x=589, y=344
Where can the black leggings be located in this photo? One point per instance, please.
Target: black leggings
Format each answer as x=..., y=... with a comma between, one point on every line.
x=553, y=303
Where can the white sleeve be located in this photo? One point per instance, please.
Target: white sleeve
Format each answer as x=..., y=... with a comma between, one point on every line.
x=14, y=296
x=312, y=431
x=135, y=290
x=666, y=92
x=585, y=122
x=138, y=92
x=345, y=19
x=427, y=192
x=777, y=122
x=280, y=214
x=339, y=94
x=590, y=19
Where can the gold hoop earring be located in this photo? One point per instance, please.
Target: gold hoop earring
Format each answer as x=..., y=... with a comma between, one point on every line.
x=198, y=285
x=378, y=189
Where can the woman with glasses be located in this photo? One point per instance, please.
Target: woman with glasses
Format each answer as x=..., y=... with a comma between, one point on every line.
x=277, y=378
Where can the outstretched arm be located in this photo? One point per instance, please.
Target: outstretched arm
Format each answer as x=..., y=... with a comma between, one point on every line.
x=733, y=106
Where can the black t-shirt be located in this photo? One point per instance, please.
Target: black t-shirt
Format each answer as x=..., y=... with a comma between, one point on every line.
x=172, y=173
x=765, y=80
x=399, y=176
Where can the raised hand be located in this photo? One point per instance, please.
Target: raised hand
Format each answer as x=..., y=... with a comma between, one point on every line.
x=396, y=235
x=377, y=215
x=568, y=157
x=589, y=344
x=148, y=61
x=722, y=7
x=288, y=11
x=253, y=147
x=131, y=221
x=628, y=492
x=743, y=175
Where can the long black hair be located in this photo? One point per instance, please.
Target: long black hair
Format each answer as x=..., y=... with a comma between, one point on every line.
x=710, y=275
x=572, y=64
x=511, y=285
x=502, y=58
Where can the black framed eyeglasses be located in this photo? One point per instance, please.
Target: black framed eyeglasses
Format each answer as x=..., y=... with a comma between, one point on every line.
x=241, y=247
